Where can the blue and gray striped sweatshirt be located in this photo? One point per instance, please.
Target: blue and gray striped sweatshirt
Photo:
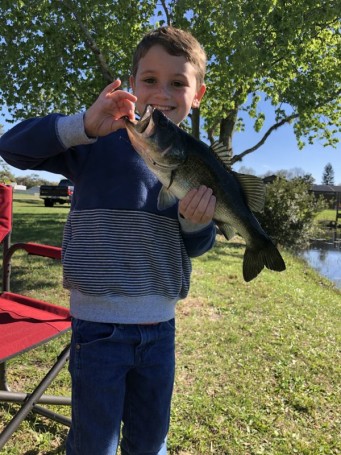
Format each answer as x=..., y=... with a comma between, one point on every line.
x=124, y=261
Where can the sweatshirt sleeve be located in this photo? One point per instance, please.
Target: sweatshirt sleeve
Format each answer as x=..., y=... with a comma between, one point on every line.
x=198, y=238
x=46, y=144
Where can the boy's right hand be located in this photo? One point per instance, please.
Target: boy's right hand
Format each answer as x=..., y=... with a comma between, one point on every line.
x=106, y=114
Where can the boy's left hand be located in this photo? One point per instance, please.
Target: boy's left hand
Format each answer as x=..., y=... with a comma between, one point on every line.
x=198, y=205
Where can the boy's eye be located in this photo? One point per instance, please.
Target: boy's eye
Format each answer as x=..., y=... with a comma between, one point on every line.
x=153, y=81
x=149, y=80
x=178, y=84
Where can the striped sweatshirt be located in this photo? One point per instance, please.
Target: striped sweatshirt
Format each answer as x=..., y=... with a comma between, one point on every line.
x=124, y=260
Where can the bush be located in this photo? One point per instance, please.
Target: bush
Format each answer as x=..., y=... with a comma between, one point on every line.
x=289, y=212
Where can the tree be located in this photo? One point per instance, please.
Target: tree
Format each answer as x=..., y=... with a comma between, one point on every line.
x=328, y=175
x=32, y=180
x=285, y=52
x=6, y=175
x=58, y=55
x=291, y=174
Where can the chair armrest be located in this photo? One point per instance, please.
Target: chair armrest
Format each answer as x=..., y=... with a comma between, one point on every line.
x=53, y=252
x=37, y=249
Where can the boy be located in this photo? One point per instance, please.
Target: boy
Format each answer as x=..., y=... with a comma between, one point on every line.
x=126, y=263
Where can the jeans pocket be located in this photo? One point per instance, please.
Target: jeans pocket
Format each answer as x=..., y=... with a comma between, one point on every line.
x=86, y=333
x=170, y=324
x=89, y=340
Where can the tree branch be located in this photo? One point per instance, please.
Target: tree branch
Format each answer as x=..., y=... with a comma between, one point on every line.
x=167, y=13
x=277, y=125
x=210, y=132
x=103, y=66
x=273, y=128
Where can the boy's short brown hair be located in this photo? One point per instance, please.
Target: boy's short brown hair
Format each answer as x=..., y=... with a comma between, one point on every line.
x=176, y=42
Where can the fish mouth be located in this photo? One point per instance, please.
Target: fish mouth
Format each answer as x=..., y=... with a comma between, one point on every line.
x=146, y=125
x=150, y=118
x=146, y=128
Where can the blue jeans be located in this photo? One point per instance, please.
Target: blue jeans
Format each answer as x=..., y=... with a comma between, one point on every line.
x=121, y=373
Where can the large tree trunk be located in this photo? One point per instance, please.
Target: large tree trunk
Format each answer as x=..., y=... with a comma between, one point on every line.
x=196, y=123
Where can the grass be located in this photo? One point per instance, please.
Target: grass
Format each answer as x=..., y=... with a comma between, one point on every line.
x=258, y=364
x=326, y=215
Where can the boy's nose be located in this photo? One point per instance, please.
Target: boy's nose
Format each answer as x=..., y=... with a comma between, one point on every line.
x=163, y=91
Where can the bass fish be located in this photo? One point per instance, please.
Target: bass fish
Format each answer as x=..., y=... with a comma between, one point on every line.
x=181, y=162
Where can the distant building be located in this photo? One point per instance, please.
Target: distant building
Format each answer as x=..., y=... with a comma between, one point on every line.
x=269, y=179
x=34, y=190
x=18, y=187
x=329, y=192
x=332, y=193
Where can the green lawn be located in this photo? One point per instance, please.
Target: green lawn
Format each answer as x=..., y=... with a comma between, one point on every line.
x=258, y=364
x=326, y=215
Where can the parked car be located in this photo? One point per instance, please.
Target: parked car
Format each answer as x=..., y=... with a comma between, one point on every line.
x=57, y=194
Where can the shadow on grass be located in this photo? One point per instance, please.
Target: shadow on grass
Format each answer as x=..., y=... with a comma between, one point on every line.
x=224, y=248
x=40, y=427
x=21, y=282
x=29, y=202
x=35, y=203
x=40, y=228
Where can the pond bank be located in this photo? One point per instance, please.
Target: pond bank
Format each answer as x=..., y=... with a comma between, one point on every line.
x=324, y=255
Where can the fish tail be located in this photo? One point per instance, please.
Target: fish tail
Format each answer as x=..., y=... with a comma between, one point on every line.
x=256, y=259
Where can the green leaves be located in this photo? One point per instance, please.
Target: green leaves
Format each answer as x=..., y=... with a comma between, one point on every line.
x=57, y=56
x=289, y=51
x=289, y=212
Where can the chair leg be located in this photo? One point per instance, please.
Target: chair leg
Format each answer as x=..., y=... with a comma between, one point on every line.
x=3, y=381
x=33, y=398
x=52, y=415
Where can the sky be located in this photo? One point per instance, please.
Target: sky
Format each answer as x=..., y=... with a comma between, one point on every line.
x=280, y=152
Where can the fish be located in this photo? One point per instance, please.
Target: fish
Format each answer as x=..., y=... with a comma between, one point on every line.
x=182, y=162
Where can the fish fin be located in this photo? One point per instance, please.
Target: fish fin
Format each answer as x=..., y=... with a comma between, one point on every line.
x=227, y=230
x=254, y=190
x=253, y=187
x=165, y=199
x=256, y=260
x=222, y=152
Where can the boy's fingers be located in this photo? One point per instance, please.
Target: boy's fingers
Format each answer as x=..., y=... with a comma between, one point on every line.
x=196, y=196
x=123, y=108
x=121, y=95
x=198, y=205
x=113, y=86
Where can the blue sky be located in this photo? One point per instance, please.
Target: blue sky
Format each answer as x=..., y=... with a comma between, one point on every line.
x=279, y=152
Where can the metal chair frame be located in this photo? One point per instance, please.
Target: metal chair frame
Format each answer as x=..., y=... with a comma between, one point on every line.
x=61, y=322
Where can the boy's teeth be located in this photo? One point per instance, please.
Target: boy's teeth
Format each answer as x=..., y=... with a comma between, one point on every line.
x=163, y=108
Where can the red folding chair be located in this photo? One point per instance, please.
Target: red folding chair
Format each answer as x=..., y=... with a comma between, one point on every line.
x=26, y=323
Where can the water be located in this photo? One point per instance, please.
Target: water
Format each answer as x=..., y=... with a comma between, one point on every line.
x=324, y=255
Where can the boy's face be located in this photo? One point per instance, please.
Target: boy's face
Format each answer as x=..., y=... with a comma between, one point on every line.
x=168, y=83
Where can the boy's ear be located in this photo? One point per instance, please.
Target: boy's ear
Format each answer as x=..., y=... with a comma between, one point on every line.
x=198, y=96
x=132, y=82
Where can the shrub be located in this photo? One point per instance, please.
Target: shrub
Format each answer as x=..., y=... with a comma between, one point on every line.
x=289, y=212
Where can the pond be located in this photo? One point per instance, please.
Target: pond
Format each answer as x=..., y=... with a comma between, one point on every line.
x=324, y=255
